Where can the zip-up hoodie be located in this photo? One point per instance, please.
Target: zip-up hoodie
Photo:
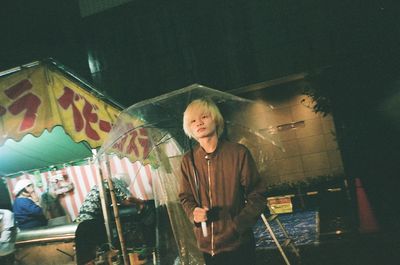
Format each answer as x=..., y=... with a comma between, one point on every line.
x=230, y=186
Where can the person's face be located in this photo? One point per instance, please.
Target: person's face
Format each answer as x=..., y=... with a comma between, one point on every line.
x=29, y=189
x=202, y=125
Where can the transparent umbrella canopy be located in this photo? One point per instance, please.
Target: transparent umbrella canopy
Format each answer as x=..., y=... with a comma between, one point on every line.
x=151, y=132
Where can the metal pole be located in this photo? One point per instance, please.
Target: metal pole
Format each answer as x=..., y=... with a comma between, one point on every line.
x=291, y=243
x=274, y=238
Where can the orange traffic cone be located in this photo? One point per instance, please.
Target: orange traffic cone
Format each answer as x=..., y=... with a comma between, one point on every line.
x=368, y=223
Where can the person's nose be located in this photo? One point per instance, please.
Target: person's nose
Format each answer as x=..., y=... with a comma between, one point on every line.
x=199, y=123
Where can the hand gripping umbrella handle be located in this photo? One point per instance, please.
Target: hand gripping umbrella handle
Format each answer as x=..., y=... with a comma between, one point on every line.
x=204, y=229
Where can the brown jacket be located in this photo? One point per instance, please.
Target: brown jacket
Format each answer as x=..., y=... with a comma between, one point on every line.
x=235, y=195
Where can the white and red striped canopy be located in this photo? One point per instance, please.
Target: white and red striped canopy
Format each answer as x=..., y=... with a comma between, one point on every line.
x=84, y=178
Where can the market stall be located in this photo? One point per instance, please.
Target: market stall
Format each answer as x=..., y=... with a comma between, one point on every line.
x=48, y=116
x=50, y=121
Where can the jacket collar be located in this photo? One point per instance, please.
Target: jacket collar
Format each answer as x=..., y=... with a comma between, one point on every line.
x=202, y=153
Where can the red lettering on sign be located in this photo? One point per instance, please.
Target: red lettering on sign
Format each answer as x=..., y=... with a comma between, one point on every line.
x=132, y=145
x=144, y=141
x=67, y=100
x=18, y=89
x=105, y=126
x=119, y=145
x=31, y=103
x=90, y=117
x=23, y=101
x=84, y=119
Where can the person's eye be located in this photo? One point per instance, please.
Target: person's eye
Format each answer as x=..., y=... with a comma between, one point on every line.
x=192, y=121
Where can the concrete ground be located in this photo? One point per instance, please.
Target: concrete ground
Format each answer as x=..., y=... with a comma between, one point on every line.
x=368, y=249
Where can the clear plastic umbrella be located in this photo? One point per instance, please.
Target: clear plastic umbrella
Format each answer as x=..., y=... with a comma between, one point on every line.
x=151, y=132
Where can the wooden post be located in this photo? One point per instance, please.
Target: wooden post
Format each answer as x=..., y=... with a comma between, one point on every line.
x=103, y=197
x=116, y=213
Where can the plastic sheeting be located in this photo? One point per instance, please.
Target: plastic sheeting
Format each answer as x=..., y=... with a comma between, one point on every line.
x=151, y=132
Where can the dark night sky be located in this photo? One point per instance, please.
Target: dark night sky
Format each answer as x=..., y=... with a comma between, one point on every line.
x=146, y=48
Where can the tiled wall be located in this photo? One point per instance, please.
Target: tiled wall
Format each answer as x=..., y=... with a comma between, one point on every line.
x=311, y=150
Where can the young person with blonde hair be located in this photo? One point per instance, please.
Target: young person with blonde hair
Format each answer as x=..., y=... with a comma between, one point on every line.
x=221, y=190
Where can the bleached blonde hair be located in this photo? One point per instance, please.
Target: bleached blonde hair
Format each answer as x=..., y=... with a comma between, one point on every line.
x=204, y=105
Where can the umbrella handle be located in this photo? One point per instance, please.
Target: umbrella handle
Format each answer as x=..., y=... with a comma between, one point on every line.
x=204, y=229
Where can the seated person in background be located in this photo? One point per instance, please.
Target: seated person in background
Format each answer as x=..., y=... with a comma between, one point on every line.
x=26, y=207
x=91, y=206
x=91, y=232
x=7, y=233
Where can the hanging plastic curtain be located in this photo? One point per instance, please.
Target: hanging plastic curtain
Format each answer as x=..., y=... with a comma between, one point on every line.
x=151, y=132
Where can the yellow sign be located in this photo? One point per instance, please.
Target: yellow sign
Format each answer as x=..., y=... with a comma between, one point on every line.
x=134, y=143
x=40, y=98
x=280, y=204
